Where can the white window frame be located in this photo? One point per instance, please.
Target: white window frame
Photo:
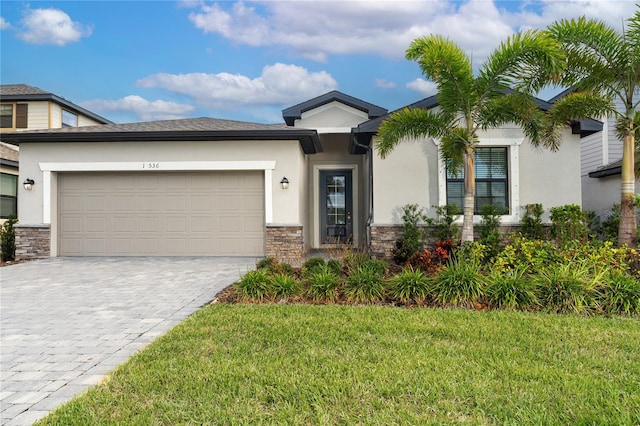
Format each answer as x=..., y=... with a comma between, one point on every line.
x=513, y=159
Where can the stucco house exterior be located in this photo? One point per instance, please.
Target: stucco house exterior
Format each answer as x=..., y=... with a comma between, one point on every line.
x=209, y=187
x=24, y=108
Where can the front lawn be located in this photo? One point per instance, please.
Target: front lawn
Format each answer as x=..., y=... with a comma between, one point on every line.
x=295, y=364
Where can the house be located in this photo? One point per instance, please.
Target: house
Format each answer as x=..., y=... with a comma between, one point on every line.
x=210, y=187
x=24, y=108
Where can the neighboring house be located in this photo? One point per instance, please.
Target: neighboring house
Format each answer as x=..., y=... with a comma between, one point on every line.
x=24, y=108
x=600, y=167
x=209, y=187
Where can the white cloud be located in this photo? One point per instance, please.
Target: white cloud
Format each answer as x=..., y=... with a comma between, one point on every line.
x=316, y=29
x=422, y=86
x=143, y=109
x=279, y=84
x=4, y=25
x=51, y=26
x=384, y=84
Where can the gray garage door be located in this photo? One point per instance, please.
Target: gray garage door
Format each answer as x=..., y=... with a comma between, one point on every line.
x=161, y=214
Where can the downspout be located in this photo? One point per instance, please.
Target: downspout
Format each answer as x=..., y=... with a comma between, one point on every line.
x=370, y=213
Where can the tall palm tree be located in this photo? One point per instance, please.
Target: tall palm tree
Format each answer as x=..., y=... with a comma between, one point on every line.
x=604, y=67
x=469, y=103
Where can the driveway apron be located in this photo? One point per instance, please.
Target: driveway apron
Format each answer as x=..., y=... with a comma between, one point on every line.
x=66, y=322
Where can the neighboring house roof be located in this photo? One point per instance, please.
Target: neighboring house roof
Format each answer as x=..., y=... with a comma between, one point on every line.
x=9, y=155
x=365, y=131
x=612, y=169
x=24, y=92
x=190, y=129
x=295, y=112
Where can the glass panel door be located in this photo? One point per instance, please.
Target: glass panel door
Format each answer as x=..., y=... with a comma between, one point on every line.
x=336, y=206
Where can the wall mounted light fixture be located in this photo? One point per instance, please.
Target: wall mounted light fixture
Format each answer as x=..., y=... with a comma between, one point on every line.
x=28, y=184
x=284, y=183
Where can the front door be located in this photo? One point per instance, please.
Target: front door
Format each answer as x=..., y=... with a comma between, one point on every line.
x=336, y=206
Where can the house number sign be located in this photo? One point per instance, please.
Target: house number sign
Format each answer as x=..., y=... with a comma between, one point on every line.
x=150, y=165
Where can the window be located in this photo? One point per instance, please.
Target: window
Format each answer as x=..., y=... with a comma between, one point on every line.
x=69, y=119
x=7, y=113
x=6, y=116
x=8, y=195
x=491, y=180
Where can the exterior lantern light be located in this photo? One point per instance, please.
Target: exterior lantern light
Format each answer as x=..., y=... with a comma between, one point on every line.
x=28, y=184
x=284, y=183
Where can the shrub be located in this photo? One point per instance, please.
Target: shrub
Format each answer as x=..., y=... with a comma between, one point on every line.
x=445, y=227
x=488, y=230
x=8, y=239
x=530, y=255
x=471, y=252
x=567, y=287
x=313, y=265
x=364, y=285
x=569, y=224
x=620, y=294
x=335, y=265
x=531, y=225
x=412, y=239
x=255, y=286
x=511, y=290
x=353, y=260
x=410, y=285
x=460, y=283
x=322, y=283
x=610, y=226
x=285, y=285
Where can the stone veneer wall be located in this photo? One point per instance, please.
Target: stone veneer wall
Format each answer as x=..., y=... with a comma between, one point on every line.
x=32, y=241
x=286, y=243
x=384, y=237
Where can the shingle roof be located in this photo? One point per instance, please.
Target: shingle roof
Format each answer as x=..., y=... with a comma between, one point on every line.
x=21, y=90
x=24, y=92
x=190, y=129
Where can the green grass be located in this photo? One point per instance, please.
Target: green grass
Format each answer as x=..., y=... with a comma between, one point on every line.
x=295, y=364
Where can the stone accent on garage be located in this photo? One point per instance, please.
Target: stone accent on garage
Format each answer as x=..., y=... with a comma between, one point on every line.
x=285, y=243
x=32, y=241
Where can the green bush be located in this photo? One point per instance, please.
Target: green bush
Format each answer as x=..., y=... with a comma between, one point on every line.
x=525, y=254
x=445, y=227
x=611, y=225
x=531, y=225
x=569, y=224
x=488, y=230
x=620, y=294
x=313, y=265
x=322, y=284
x=410, y=286
x=8, y=239
x=413, y=237
x=364, y=285
x=460, y=284
x=354, y=259
x=284, y=285
x=567, y=288
x=273, y=266
x=255, y=286
x=512, y=289
x=335, y=265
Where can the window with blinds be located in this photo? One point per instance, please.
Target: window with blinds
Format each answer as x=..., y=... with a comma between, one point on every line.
x=492, y=185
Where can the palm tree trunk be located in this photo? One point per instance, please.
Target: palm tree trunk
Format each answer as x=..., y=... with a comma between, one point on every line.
x=627, y=230
x=469, y=197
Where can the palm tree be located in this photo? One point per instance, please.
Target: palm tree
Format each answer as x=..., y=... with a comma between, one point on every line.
x=604, y=67
x=469, y=103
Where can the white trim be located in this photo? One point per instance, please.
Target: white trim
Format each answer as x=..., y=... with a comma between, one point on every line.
x=514, y=177
x=156, y=166
x=268, y=196
x=316, y=199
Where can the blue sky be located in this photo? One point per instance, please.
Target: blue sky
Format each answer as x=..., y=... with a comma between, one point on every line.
x=148, y=60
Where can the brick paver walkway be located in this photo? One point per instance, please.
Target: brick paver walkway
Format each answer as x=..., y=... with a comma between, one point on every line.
x=66, y=322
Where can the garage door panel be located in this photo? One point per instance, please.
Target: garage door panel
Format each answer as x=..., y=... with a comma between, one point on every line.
x=161, y=214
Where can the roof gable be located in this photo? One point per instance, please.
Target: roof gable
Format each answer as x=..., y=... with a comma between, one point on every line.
x=295, y=112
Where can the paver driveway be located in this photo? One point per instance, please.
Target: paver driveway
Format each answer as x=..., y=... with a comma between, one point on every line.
x=65, y=322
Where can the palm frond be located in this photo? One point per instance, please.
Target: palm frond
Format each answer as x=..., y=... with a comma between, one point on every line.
x=454, y=144
x=575, y=106
x=448, y=66
x=526, y=62
x=410, y=123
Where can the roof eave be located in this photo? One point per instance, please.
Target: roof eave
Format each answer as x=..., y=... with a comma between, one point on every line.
x=57, y=99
